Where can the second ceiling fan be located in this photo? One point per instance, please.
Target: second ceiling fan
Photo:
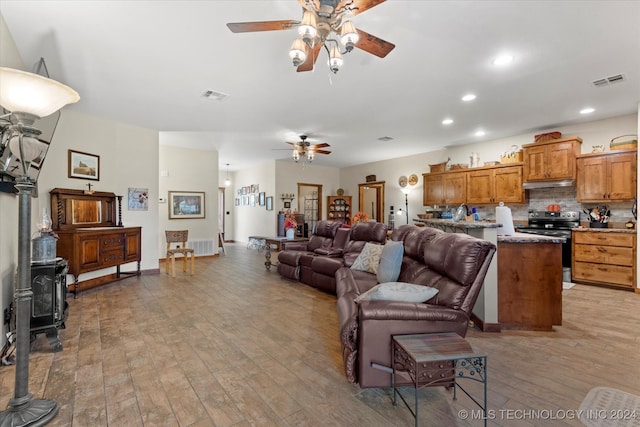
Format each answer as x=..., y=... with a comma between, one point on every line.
x=321, y=21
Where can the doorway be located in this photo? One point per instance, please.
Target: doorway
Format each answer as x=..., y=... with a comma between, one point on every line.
x=310, y=205
x=371, y=199
x=221, y=212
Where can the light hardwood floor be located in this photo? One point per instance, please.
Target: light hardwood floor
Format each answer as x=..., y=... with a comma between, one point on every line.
x=236, y=345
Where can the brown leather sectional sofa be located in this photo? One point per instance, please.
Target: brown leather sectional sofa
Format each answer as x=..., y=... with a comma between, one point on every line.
x=329, y=249
x=455, y=264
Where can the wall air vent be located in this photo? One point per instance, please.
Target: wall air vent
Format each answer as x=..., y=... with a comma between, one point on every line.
x=385, y=138
x=616, y=78
x=215, y=95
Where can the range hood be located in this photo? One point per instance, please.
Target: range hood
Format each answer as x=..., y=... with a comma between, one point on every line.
x=548, y=184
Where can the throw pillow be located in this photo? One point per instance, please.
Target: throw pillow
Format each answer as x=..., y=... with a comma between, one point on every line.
x=369, y=259
x=398, y=291
x=390, y=262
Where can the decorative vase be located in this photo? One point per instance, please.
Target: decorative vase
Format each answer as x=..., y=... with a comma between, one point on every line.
x=291, y=233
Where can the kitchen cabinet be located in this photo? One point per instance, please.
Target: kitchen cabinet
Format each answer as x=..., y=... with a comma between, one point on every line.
x=607, y=177
x=339, y=209
x=551, y=160
x=446, y=188
x=604, y=257
x=495, y=184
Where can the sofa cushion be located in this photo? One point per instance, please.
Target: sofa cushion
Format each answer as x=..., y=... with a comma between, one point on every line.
x=398, y=291
x=390, y=262
x=369, y=258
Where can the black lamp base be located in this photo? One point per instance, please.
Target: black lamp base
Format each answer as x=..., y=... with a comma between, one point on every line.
x=26, y=411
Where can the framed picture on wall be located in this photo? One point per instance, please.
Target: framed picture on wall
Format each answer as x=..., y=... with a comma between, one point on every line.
x=186, y=205
x=138, y=199
x=237, y=201
x=269, y=203
x=252, y=199
x=84, y=165
x=287, y=205
x=261, y=197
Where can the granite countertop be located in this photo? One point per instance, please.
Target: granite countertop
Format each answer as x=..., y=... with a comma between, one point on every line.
x=605, y=230
x=458, y=224
x=530, y=238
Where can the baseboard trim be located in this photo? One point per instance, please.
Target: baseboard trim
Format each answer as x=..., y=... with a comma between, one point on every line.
x=486, y=327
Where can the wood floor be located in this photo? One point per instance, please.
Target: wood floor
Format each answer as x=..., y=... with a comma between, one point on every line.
x=235, y=345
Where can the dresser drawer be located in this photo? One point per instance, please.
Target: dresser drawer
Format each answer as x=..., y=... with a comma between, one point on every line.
x=603, y=238
x=111, y=241
x=603, y=273
x=111, y=258
x=604, y=254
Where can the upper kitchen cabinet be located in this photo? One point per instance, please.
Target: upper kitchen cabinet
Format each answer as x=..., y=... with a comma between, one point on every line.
x=446, y=188
x=552, y=160
x=607, y=177
x=495, y=184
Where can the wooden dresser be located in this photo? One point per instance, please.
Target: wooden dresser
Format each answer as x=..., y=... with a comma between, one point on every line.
x=92, y=236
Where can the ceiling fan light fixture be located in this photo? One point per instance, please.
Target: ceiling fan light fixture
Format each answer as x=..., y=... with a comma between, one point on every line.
x=308, y=27
x=298, y=52
x=296, y=154
x=335, y=59
x=348, y=35
x=310, y=155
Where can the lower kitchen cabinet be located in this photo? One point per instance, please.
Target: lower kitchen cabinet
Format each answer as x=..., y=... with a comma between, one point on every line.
x=604, y=257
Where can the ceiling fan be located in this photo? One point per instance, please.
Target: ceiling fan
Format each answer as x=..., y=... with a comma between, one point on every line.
x=304, y=148
x=324, y=23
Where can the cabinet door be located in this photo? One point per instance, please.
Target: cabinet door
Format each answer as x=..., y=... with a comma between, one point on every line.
x=433, y=193
x=561, y=158
x=508, y=185
x=133, y=246
x=592, y=179
x=622, y=174
x=480, y=186
x=534, y=163
x=454, y=186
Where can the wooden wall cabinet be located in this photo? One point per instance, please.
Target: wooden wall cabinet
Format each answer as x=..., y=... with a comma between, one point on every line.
x=551, y=160
x=495, y=184
x=446, y=188
x=607, y=177
x=339, y=208
x=604, y=258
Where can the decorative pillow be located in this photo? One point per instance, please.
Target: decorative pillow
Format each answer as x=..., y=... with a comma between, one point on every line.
x=398, y=291
x=390, y=262
x=369, y=259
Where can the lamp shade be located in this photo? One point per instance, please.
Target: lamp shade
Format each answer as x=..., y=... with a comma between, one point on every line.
x=33, y=94
x=348, y=33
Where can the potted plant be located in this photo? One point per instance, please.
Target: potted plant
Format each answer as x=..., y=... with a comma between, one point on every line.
x=361, y=217
x=290, y=226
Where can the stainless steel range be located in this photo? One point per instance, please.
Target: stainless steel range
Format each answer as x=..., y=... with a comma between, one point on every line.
x=555, y=224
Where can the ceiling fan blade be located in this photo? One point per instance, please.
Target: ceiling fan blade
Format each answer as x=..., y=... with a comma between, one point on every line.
x=247, y=27
x=321, y=145
x=359, y=6
x=374, y=45
x=322, y=152
x=312, y=56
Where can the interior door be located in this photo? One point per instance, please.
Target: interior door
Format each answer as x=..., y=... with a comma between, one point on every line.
x=310, y=205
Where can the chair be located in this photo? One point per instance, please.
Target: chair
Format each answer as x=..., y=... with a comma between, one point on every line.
x=180, y=237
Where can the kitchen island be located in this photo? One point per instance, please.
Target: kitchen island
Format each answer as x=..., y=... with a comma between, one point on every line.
x=530, y=281
x=523, y=287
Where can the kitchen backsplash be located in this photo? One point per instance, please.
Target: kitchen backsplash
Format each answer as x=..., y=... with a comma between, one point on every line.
x=539, y=199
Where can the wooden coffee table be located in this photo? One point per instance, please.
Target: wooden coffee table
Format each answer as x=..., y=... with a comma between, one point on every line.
x=274, y=243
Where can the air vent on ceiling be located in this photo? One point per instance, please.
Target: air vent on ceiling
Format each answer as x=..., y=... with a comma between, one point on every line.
x=215, y=96
x=385, y=138
x=616, y=78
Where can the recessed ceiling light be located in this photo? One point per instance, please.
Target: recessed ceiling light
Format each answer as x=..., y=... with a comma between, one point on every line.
x=480, y=133
x=503, y=60
x=469, y=97
x=587, y=110
x=447, y=121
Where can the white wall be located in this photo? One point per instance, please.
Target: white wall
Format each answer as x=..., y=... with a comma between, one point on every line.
x=254, y=220
x=186, y=169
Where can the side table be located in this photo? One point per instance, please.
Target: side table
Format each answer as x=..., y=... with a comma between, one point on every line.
x=418, y=356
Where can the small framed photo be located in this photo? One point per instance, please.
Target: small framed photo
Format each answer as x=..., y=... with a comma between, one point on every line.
x=186, y=205
x=252, y=200
x=244, y=191
x=287, y=205
x=253, y=188
x=138, y=199
x=237, y=201
x=270, y=203
x=84, y=165
x=261, y=197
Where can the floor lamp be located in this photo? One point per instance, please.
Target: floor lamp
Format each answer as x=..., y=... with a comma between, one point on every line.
x=27, y=97
x=406, y=192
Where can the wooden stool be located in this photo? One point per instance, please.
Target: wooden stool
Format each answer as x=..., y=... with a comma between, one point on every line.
x=181, y=238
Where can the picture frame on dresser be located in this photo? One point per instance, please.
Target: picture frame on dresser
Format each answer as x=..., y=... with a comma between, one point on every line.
x=83, y=165
x=186, y=205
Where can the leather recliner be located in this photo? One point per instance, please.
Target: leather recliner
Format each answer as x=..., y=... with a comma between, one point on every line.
x=454, y=263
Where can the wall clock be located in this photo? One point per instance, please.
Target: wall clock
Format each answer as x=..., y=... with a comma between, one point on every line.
x=402, y=181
